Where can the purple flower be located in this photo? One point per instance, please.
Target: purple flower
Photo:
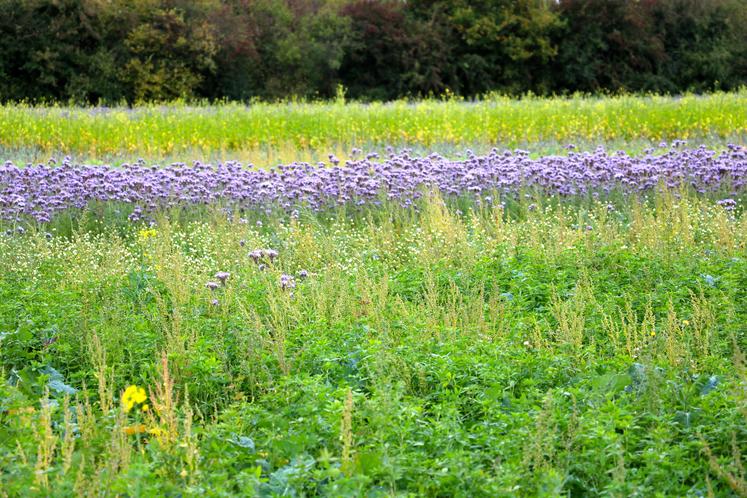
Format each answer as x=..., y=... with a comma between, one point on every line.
x=263, y=254
x=212, y=285
x=728, y=204
x=287, y=282
x=222, y=276
x=40, y=193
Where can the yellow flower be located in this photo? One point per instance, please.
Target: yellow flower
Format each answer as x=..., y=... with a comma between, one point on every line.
x=133, y=395
x=159, y=433
x=147, y=233
x=134, y=429
x=685, y=322
x=146, y=408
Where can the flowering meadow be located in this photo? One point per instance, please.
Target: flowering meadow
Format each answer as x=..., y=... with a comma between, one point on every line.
x=389, y=323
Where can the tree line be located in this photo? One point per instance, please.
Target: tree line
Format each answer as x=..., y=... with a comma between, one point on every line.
x=111, y=51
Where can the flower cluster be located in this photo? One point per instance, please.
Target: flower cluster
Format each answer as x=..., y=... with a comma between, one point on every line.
x=728, y=204
x=45, y=190
x=132, y=396
x=287, y=282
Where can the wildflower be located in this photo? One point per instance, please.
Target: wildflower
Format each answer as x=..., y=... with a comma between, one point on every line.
x=215, y=302
x=145, y=407
x=685, y=322
x=287, y=282
x=728, y=204
x=131, y=430
x=222, y=276
x=303, y=274
x=146, y=233
x=158, y=433
x=133, y=395
x=212, y=285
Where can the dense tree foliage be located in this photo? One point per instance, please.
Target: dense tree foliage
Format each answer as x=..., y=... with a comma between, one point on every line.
x=93, y=51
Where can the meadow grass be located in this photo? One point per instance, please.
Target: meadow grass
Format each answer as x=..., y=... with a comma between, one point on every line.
x=541, y=349
x=265, y=133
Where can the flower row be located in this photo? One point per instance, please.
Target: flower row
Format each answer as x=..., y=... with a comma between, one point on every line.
x=44, y=190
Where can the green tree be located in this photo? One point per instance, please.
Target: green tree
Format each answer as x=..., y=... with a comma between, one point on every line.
x=57, y=50
x=705, y=42
x=169, y=52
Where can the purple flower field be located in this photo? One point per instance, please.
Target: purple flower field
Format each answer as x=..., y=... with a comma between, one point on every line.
x=42, y=191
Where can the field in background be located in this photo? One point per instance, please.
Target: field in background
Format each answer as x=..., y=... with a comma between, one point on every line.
x=266, y=134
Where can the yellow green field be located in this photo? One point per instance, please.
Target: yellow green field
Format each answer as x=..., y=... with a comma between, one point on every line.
x=283, y=132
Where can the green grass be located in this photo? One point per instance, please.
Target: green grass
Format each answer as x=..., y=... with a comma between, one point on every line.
x=443, y=350
x=269, y=133
x=428, y=353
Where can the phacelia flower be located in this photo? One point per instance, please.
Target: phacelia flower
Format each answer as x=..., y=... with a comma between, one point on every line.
x=287, y=282
x=728, y=204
